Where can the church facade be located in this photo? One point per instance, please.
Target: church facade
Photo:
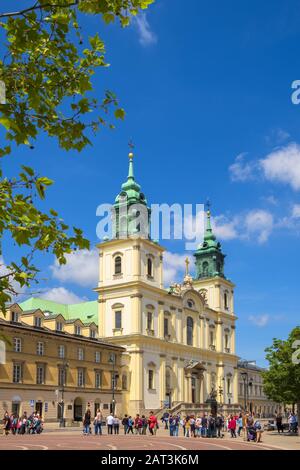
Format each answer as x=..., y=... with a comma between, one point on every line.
x=180, y=341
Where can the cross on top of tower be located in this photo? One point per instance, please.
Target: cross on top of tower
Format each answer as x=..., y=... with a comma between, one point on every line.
x=131, y=147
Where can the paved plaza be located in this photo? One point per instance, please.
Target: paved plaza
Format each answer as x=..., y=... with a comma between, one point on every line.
x=74, y=440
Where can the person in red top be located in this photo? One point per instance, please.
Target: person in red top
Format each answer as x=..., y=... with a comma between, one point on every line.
x=232, y=426
x=152, y=421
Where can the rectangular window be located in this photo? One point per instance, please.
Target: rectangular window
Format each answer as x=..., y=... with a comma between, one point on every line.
x=97, y=356
x=40, y=374
x=40, y=348
x=61, y=377
x=149, y=321
x=80, y=354
x=92, y=333
x=77, y=330
x=17, y=345
x=150, y=379
x=166, y=326
x=112, y=358
x=81, y=378
x=211, y=338
x=59, y=326
x=97, y=379
x=118, y=320
x=17, y=373
x=226, y=341
x=15, y=317
x=114, y=378
x=38, y=322
x=61, y=351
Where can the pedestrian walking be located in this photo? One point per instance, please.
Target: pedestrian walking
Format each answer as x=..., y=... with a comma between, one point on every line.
x=98, y=423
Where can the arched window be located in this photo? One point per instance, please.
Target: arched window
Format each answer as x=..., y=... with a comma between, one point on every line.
x=189, y=331
x=124, y=382
x=205, y=268
x=225, y=300
x=118, y=265
x=149, y=267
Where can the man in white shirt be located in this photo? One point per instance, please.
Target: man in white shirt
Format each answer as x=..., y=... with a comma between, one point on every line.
x=110, y=423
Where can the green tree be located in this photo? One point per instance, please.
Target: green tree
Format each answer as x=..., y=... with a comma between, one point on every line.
x=47, y=68
x=282, y=379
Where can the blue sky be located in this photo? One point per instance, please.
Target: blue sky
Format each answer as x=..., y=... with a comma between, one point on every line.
x=207, y=91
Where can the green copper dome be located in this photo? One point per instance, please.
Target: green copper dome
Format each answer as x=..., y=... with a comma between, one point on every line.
x=209, y=256
x=130, y=194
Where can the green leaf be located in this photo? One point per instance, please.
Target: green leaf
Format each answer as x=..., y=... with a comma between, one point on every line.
x=120, y=113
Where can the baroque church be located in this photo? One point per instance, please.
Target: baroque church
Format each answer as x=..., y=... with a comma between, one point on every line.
x=180, y=341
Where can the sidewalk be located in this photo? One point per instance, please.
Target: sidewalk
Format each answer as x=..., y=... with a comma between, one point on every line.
x=272, y=438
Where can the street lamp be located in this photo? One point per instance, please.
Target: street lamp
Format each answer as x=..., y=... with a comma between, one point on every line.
x=244, y=376
x=112, y=360
x=64, y=368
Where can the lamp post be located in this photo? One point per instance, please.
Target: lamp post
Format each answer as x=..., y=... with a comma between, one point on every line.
x=65, y=366
x=112, y=360
x=244, y=376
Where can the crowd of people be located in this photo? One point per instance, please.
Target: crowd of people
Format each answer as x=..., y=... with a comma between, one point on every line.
x=207, y=425
x=292, y=422
x=15, y=424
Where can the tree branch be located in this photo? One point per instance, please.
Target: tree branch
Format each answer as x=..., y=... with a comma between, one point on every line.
x=36, y=6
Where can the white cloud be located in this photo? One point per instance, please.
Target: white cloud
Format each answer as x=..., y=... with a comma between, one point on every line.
x=259, y=320
x=15, y=285
x=296, y=211
x=174, y=267
x=283, y=165
x=277, y=136
x=146, y=35
x=258, y=223
x=82, y=268
x=225, y=229
x=61, y=295
x=241, y=170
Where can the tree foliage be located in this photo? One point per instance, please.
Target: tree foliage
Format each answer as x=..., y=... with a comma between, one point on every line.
x=47, y=68
x=282, y=379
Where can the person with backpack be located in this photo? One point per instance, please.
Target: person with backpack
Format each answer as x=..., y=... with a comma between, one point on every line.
x=86, y=422
x=258, y=428
x=125, y=424
x=279, y=423
x=239, y=423
x=219, y=425
x=144, y=425
x=130, y=425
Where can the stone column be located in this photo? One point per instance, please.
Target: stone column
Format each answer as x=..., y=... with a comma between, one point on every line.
x=136, y=303
x=175, y=380
x=217, y=296
x=232, y=349
x=101, y=267
x=101, y=319
x=136, y=262
x=160, y=319
x=235, y=398
x=219, y=336
x=202, y=333
x=181, y=395
x=162, y=379
x=137, y=381
x=188, y=377
x=201, y=384
x=161, y=271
